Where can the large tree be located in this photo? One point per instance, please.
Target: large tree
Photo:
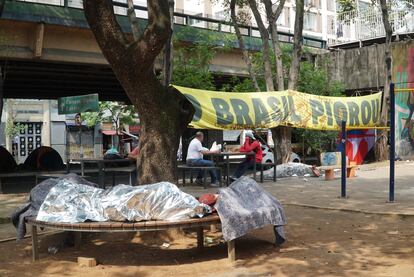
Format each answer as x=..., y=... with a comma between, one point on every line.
x=281, y=134
x=381, y=145
x=164, y=112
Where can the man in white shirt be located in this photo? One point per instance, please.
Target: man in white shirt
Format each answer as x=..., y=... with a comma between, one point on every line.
x=195, y=158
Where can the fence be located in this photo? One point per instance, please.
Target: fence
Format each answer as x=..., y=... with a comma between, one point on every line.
x=367, y=24
x=182, y=17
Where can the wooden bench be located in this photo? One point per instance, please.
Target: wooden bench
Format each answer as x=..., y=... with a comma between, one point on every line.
x=330, y=171
x=131, y=170
x=262, y=167
x=185, y=167
x=195, y=223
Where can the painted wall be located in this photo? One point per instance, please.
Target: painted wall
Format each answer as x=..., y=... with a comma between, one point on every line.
x=403, y=77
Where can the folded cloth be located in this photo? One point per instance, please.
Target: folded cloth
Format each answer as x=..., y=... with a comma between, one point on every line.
x=245, y=206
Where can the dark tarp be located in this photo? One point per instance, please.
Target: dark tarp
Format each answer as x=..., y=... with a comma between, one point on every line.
x=7, y=162
x=44, y=158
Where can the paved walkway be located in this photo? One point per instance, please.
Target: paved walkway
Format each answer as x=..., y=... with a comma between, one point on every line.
x=366, y=193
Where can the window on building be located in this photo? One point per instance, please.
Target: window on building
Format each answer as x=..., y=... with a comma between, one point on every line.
x=331, y=24
x=311, y=22
x=313, y=3
x=330, y=5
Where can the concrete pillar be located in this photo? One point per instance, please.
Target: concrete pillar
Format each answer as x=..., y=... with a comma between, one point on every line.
x=46, y=123
x=208, y=8
x=179, y=5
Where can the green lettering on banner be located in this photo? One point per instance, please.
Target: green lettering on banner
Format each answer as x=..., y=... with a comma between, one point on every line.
x=261, y=114
x=285, y=107
x=339, y=108
x=375, y=110
x=317, y=110
x=197, y=107
x=241, y=110
x=365, y=112
x=295, y=117
x=274, y=104
x=328, y=109
x=224, y=116
x=353, y=111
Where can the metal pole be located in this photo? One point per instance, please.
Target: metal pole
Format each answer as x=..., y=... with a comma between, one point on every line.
x=392, y=142
x=343, y=160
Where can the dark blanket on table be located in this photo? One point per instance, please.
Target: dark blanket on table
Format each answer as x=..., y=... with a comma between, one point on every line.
x=245, y=206
x=37, y=196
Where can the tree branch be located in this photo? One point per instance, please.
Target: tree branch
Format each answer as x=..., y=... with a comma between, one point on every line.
x=245, y=53
x=297, y=45
x=133, y=20
x=388, y=60
x=272, y=18
x=265, y=44
x=156, y=33
x=102, y=21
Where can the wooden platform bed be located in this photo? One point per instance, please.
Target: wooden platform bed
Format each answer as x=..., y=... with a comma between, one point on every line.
x=196, y=223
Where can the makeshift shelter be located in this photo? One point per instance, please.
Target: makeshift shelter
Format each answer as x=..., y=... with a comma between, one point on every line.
x=44, y=158
x=7, y=162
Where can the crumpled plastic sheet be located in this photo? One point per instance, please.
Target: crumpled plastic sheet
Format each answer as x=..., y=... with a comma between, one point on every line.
x=245, y=206
x=289, y=170
x=72, y=202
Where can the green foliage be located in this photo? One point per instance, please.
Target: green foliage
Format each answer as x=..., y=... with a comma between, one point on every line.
x=191, y=65
x=314, y=80
x=346, y=5
x=13, y=129
x=111, y=112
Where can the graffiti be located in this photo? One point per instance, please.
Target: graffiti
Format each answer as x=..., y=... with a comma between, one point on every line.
x=403, y=77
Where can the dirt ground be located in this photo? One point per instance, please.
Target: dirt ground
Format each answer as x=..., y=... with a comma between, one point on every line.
x=320, y=243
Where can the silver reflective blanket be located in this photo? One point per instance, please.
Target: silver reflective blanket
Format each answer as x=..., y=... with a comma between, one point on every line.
x=71, y=202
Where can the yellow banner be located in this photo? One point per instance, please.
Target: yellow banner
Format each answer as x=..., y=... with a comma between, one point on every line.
x=229, y=110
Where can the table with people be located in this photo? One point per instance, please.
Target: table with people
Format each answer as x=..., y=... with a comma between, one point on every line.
x=251, y=150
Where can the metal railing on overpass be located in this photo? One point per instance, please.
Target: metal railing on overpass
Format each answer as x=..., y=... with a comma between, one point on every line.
x=186, y=18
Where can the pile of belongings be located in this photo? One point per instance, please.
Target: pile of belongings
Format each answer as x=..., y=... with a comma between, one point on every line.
x=292, y=170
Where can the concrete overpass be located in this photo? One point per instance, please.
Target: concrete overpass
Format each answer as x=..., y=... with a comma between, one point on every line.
x=47, y=51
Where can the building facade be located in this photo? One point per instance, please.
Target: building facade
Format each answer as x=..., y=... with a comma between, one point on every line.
x=43, y=126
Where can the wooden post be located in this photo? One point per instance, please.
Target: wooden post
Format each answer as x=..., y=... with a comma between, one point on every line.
x=200, y=238
x=35, y=246
x=231, y=250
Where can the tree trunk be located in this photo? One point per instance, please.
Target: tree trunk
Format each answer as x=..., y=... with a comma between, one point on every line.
x=242, y=47
x=168, y=51
x=283, y=145
x=272, y=18
x=264, y=34
x=164, y=112
x=163, y=117
x=381, y=145
x=297, y=45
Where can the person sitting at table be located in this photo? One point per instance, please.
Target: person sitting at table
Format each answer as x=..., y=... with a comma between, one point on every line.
x=250, y=145
x=195, y=156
